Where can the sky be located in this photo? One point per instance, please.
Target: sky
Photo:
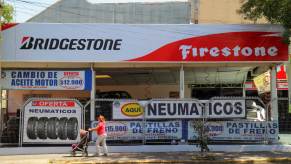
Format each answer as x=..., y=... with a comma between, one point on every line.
x=26, y=9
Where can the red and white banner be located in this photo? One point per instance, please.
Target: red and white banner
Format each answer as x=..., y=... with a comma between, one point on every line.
x=51, y=121
x=143, y=43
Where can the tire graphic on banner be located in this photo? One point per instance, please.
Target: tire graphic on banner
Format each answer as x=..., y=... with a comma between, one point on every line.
x=52, y=121
x=42, y=127
x=52, y=132
x=72, y=128
x=31, y=128
x=62, y=128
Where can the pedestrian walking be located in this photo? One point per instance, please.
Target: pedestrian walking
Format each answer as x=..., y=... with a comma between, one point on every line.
x=101, y=135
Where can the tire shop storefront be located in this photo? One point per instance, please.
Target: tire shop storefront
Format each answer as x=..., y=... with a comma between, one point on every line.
x=58, y=68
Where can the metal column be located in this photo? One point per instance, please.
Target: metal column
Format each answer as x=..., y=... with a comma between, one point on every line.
x=182, y=83
x=274, y=95
x=1, y=117
x=92, y=97
x=288, y=72
x=244, y=85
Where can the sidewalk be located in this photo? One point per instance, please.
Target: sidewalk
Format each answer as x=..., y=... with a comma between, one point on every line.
x=173, y=157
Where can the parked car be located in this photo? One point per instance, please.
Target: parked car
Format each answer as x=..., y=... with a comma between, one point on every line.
x=104, y=107
x=114, y=95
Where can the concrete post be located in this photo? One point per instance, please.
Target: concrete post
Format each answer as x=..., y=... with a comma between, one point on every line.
x=182, y=83
x=274, y=95
x=1, y=117
x=194, y=10
x=92, y=97
x=288, y=72
x=244, y=85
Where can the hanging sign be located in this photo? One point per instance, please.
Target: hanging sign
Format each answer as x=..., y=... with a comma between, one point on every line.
x=47, y=80
x=263, y=82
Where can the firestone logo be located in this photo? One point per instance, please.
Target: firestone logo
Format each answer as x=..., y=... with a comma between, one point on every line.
x=32, y=43
x=188, y=50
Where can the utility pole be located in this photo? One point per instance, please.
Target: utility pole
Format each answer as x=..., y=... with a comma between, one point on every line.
x=194, y=10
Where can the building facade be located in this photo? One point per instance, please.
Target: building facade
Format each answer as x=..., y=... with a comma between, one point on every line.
x=146, y=78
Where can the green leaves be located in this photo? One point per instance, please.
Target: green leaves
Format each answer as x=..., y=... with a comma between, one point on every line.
x=7, y=13
x=275, y=11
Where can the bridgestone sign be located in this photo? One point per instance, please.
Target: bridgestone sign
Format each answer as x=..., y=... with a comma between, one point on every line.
x=51, y=121
x=69, y=44
x=34, y=42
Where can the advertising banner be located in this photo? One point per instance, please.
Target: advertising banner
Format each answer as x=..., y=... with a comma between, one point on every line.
x=47, y=80
x=238, y=130
x=263, y=82
x=178, y=109
x=34, y=42
x=133, y=130
x=127, y=109
x=52, y=121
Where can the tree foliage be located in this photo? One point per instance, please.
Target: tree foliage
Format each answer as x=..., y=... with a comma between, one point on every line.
x=7, y=13
x=275, y=11
x=200, y=127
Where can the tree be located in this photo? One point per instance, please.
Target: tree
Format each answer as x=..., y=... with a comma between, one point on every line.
x=275, y=11
x=200, y=126
x=6, y=12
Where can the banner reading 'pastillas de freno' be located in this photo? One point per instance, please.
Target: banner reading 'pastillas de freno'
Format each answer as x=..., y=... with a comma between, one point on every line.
x=238, y=130
x=136, y=130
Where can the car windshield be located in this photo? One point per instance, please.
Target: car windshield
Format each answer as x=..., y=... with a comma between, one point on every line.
x=114, y=95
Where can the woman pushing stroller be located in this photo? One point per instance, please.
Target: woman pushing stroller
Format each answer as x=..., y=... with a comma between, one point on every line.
x=101, y=135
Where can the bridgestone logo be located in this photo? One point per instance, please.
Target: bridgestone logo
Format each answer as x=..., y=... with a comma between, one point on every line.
x=28, y=42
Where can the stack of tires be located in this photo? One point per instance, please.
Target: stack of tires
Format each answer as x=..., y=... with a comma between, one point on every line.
x=53, y=128
x=10, y=134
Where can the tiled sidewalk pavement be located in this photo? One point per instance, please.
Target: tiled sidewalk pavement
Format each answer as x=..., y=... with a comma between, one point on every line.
x=174, y=157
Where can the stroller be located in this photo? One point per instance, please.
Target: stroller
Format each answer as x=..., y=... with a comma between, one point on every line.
x=82, y=146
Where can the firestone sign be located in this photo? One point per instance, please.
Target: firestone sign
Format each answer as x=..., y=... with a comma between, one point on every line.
x=112, y=43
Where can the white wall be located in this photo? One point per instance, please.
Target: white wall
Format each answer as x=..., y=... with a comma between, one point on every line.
x=82, y=11
x=146, y=91
x=15, y=98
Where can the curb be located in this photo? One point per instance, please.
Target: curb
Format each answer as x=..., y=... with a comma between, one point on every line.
x=227, y=161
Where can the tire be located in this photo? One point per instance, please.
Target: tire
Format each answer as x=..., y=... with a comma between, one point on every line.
x=42, y=127
x=31, y=131
x=72, y=128
x=85, y=154
x=52, y=126
x=62, y=128
x=73, y=153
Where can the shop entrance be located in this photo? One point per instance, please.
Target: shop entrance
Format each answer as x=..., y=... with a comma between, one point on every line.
x=205, y=92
